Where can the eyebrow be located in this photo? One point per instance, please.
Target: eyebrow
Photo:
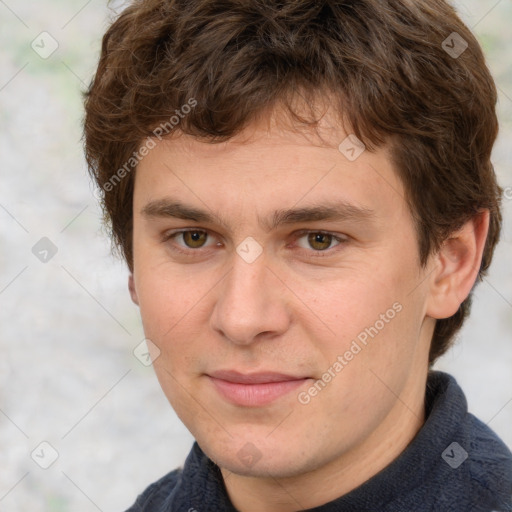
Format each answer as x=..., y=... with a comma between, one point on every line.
x=330, y=211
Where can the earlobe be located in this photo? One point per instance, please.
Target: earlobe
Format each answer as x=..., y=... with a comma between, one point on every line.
x=131, y=287
x=456, y=267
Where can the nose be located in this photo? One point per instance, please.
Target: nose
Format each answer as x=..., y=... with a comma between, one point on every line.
x=251, y=303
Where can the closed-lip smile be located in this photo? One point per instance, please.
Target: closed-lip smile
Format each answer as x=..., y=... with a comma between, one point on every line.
x=253, y=389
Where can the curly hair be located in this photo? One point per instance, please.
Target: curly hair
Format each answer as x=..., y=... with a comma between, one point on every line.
x=385, y=64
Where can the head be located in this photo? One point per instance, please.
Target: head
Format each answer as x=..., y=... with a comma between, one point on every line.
x=241, y=109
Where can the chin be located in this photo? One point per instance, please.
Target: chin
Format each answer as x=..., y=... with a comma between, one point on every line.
x=269, y=461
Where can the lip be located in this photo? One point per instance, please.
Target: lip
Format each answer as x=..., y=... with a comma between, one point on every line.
x=255, y=389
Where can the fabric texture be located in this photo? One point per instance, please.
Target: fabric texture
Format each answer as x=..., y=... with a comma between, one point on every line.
x=454, y=464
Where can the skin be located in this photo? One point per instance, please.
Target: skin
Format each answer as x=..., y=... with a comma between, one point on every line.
x=291, y=310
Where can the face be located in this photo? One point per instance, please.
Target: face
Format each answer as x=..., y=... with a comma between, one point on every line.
x=280, y=281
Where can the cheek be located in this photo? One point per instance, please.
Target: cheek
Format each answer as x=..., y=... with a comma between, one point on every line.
x=162, y=304
x=378, y=337
x=365, y=328
x=168, y=319
x=174, y=311
x=345, y=309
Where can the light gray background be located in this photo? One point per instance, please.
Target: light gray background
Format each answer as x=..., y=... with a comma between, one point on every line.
x=68, y=327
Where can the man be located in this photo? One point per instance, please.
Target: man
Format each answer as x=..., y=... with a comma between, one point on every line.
x=304, y=196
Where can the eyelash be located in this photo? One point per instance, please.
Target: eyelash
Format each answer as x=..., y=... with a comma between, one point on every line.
x=317, y=254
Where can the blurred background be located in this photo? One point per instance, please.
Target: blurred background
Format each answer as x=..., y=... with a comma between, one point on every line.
x=73, y=397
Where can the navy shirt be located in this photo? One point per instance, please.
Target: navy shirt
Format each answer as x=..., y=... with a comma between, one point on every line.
x=454, y=464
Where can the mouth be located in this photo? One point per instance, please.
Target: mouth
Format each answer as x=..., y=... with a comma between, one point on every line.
x=255, y=389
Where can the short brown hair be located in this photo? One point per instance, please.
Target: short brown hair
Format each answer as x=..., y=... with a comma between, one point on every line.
x=383, y=63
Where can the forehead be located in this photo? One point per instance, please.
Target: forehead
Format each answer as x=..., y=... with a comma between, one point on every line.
x=270, y=165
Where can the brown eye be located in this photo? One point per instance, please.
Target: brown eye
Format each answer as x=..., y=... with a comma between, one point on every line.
x=194, y=239
x=320, y=241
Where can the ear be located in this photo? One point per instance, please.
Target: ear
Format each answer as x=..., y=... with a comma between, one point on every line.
x=131, y=287
x=456, y=267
